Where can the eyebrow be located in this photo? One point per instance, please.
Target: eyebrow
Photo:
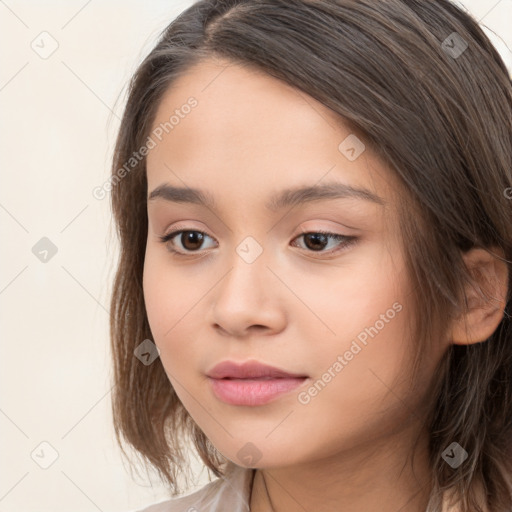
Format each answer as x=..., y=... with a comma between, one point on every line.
x=282, y=199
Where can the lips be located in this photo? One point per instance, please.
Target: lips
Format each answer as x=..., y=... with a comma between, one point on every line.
x=250, y=370
x=251, y=383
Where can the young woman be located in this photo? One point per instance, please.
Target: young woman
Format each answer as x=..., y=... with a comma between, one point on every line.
x=314, y=204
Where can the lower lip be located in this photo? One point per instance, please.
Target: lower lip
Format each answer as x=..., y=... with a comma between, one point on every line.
x=252, y=391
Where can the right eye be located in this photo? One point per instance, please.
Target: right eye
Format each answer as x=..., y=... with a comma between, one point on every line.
x=190, y=240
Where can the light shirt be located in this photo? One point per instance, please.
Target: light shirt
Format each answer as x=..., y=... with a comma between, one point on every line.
x=232, y=493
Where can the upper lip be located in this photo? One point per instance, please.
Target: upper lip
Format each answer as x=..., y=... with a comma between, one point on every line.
x=248, y=370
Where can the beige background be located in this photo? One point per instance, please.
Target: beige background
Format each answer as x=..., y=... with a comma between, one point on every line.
x=59, y=117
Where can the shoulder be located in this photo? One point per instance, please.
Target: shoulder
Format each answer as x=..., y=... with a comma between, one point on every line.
x=234, y=490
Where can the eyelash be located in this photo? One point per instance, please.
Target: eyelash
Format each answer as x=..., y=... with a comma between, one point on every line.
x=347, y=241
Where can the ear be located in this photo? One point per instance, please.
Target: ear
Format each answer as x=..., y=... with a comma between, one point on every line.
x=486, y=299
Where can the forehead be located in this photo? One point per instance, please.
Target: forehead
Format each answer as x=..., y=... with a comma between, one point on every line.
x=251, y=132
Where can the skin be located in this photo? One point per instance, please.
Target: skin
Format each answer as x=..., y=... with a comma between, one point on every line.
x=249, y=137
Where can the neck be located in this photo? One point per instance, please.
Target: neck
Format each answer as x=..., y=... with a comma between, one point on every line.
x=384, y=476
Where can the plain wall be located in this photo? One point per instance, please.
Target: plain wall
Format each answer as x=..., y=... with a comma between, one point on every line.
x=59, y=119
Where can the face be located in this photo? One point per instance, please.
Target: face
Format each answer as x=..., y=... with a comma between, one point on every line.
x=252, y=277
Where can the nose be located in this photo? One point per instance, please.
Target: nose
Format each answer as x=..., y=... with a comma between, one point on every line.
x=249, y=299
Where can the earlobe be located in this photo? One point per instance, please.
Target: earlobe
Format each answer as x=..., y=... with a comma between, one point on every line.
x=486, y=299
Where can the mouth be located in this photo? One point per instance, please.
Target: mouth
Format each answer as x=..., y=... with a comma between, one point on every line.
x=249, y=370
x=251, y=383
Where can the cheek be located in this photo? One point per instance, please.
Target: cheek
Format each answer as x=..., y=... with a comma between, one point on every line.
x=173, y=303
x=166, y=295
x=158, y=301
x=369, y=312
x=353, y=297
x=361, y=380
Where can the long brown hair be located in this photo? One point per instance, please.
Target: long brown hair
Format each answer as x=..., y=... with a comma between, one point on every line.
x=428, y=92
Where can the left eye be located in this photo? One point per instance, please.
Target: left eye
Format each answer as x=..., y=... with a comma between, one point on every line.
x=316, y=241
